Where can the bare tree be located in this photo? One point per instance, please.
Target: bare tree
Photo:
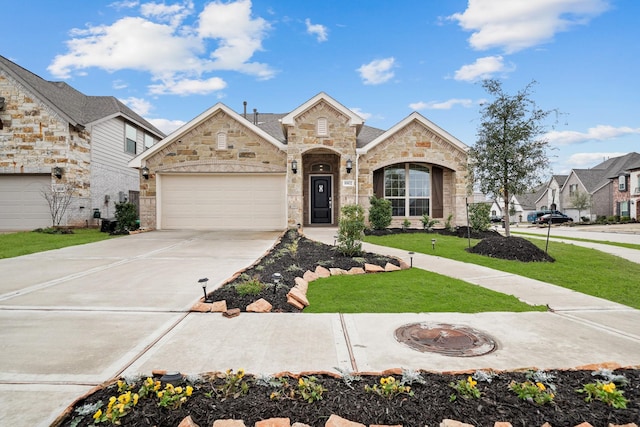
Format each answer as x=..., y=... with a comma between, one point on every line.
x=58, y=196
x=509, y=156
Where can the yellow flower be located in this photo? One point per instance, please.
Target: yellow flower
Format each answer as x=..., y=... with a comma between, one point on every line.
x=148, y=382
x=383, y=381
x=135, y=399
x=120, y=407
x=183, y=399
x=98, y=414
x=169, y=388
x=157, y=385
x=472, y=382
x=178, y=390
x=273, y=395
x=112, y=400
x=391, y=379
x=301, y=381
x=120, y=383
x=541, y=386
x=609, y=388
x=160, y=394
x=240, y=373
x=189, y=390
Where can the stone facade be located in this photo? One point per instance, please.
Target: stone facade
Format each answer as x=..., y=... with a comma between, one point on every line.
x=321, y=137
x=34, y=139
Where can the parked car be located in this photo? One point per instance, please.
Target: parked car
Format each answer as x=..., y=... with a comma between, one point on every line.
x=555, y=218
x=534, y=216
x=495, y=218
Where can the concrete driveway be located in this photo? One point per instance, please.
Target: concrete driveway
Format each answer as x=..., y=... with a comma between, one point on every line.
x=76, y=317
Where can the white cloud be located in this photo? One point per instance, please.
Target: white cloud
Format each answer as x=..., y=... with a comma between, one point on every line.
x=377, y=71
x=188, y=87
x=132, y=43
x=483, y=68
x=598, y=133
x=119, y=84
x=358, y=111
x=515, y=25
x=139, y=105
x=446, y=105
x=587, y=160
x=319, y=30
x=165, y=125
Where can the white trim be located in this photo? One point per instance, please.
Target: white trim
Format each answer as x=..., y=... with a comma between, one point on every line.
x=354, y=119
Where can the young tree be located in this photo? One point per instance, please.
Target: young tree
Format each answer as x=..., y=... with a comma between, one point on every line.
x=580, y=201
x=509, y=157
x=58, y=198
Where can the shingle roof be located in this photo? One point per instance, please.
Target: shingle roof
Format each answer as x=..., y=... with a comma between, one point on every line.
x=74, y=106
x=528, y=200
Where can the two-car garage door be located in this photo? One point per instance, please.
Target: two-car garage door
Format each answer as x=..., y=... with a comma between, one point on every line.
x=225, y=201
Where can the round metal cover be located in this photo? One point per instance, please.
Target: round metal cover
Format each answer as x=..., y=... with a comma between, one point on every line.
x=449, y=340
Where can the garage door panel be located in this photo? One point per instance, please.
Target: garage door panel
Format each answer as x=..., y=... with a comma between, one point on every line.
x=22, y=206
x=223, y=202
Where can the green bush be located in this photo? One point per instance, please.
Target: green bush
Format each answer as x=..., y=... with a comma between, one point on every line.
x=350, y=230
x=250, y=287
x=379, y=213
x=427, y=222
x=479, y=216
x=127, y=216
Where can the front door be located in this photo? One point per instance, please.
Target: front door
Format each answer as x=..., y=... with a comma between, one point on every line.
x=321, y=199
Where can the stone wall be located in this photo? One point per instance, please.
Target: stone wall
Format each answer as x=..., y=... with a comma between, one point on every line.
x=34, y=139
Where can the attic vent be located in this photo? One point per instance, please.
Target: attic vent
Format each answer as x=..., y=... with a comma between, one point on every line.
x=222, y=141
x=321, y=126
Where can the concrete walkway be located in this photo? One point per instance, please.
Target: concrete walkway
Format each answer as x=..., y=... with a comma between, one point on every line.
x=77, y=317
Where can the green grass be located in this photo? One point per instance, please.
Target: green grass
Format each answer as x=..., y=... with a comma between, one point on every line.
x=577, y=239
x=29, y=242
x=582, y=269
x=407, y=291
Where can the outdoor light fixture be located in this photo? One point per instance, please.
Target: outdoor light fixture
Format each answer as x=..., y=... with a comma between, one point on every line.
x=203, y=283
x=57, y=172
x=294, y=166
x=411, y=258
x=335, y=239
x=433, y=243
x=145, y=172
x=349, y=166
x=276, y=277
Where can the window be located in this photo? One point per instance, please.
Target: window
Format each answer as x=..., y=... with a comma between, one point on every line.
x=573, y=189
x=321, y=127
x=623, y=208
x=148, y=141
x=622, y=181
x=222, y=141
x=408, y=187
x=131, y=137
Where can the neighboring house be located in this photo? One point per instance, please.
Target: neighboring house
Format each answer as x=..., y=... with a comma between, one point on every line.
x=521, y=205
x=634, y=190
x=52, y=136
x=223, y=170
x=549, y=197
x=598, y=183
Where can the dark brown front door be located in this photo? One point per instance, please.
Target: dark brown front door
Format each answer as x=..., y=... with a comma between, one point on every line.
x=321, y=199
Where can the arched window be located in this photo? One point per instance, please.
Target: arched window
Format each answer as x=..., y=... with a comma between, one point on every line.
x=408, y=187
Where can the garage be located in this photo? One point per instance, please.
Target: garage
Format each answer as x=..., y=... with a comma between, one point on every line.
x=222, y=201
x=23, y=207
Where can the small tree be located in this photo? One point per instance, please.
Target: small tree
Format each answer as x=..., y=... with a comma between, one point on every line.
x=479, y=219
x=350, y=230
x=380, y=213
x=509, y=156
x=58, y=197
x=580, y=201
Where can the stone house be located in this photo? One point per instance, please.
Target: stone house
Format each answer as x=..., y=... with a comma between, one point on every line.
x=227, y=170
x=53, y=137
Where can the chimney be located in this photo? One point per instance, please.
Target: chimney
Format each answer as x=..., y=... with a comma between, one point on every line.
x=245, y=109
x=255, y=116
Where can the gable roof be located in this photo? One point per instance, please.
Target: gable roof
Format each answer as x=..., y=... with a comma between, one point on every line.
x=415, y=116
x=176, y=135
x=76, y=108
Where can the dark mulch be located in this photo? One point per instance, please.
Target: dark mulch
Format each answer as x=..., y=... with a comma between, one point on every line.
x=429, y=406
x=291, y=257
x=512, y=248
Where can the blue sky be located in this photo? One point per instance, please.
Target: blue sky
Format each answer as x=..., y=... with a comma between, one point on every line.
x=172, y=60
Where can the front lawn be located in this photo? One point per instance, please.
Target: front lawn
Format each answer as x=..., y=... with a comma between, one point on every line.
x=584, y=270
x=408, y=291
x=29, y=242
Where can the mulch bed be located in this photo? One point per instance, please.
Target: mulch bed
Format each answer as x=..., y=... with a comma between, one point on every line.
x=429, y=406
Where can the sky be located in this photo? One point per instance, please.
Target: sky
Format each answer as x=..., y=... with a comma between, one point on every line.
x=171, y=61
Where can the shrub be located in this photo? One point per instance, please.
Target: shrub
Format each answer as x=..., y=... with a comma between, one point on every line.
x=585, y=219
x=479, y=216
x=350, y=230
x=406, y=224
x=250, y=287
x=447, y=224
x=427, y=222
x=379, y=213
x=127, y=216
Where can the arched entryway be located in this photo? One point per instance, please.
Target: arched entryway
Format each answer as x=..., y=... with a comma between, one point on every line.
x=321, y=192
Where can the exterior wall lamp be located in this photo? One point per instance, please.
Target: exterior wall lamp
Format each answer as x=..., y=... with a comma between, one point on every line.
x=57, y=172
x=349, y=166
x=294, y=166
x=145, y=172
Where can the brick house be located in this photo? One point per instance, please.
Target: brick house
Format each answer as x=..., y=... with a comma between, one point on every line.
x=634, y=190
x=52, y=136
x=226, y=170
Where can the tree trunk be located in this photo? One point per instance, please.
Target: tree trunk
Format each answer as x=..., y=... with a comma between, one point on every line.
x=506, y=216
